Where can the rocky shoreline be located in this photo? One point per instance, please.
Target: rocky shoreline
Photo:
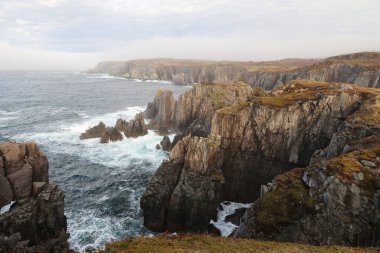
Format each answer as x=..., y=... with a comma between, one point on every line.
x=300, y=135
x=35, y=221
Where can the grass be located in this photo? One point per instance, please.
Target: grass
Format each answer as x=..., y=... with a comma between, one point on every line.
x=305, y=90
x=234, y=109
x=210, y=244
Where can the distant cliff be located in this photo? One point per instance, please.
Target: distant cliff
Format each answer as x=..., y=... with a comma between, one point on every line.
x=360, y=68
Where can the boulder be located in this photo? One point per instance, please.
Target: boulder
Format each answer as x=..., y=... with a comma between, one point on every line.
x=235, y=217
x=94, y=132
x=6, y=194
x=37, y=187
x=21, y=182
x=136, y=127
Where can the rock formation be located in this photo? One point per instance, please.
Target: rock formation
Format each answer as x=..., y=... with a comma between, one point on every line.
x=360, y=68
x=132, y=129
x=94, y=132
x=136, y=127
x=36, y=222
x=111, y=134
x=250, y=143
x=161, y=111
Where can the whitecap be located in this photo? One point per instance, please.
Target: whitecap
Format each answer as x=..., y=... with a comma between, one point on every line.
x=6, y=208
x=228, y=208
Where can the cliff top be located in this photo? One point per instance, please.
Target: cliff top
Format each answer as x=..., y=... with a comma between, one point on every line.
x=204, y=243
x=303, y=90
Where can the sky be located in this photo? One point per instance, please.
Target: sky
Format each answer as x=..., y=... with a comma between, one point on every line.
x=76, y=34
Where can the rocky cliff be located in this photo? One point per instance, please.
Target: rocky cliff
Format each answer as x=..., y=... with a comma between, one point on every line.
x=251, y=142
x=360, y=68
x=35, y=221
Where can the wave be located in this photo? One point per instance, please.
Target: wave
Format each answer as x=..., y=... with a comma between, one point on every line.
x=111, y=154
x=227, y=208
x=105, y=76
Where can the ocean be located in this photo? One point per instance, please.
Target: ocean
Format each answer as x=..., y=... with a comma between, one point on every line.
x=103, y=183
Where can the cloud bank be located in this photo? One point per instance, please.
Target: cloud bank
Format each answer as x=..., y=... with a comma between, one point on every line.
x=74, y=34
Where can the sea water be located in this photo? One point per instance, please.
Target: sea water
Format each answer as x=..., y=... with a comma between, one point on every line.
x=103, y=183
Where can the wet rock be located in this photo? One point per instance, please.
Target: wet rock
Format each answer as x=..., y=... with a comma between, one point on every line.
x=121, y=125
x=166, y=144
x=235, y=217
x=136, y=127
x=94, y=132
x=214, y=230
x=158, y=146
x=111, y=134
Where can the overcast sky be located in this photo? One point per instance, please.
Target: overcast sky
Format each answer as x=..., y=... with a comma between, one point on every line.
x=76, y=34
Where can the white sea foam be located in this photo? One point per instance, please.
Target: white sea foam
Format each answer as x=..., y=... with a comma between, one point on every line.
x=6, y=208
x=228, y=208
x=111, y=154
x=105, y=76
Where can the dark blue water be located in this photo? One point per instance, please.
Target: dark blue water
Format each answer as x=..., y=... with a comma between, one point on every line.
x=103, y=183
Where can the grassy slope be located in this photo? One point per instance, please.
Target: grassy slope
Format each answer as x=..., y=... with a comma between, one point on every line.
x=204, y=243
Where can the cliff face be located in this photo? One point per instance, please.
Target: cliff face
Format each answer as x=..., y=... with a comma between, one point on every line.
x=196, y=106
x=333, y=201
x=361, y=68
x=36, y=222
x=249, y=144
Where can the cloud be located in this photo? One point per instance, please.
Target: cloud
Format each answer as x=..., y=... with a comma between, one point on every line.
x=98, y=27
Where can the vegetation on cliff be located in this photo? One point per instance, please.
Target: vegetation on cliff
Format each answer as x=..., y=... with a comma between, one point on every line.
x=204, y=243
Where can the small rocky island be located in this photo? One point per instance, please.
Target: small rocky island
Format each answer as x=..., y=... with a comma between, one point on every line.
x=132, y=129
x=32, y=209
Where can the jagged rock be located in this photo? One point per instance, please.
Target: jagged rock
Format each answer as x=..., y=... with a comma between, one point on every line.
x=94, y=132
x=111, y=134
x=235, y=217
x=13, y=157
x=40, y=221
x=36, y=222
x=136, y=127
x=214, y=230
x=121, y=125
x=321, y=205
x=6, y=194
x=39, y=162
x=21, y=182
x=250, y=143
x=166, y=144
x=161, y=111
x=37, y=187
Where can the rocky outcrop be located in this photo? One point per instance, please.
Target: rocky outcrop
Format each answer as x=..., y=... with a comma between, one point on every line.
x=249, y=144
x=194, y=109
x=36, y=222
x=94, y=132
x=111, y=134
x=132, y=129
x=336, y=202
x=136, y=127
x=360, y=68
x=161, y=111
